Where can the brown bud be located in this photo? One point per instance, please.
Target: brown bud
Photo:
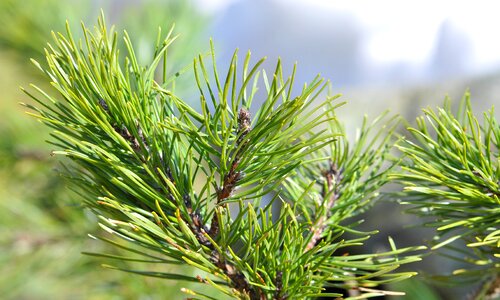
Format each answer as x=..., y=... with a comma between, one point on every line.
x=243, y=121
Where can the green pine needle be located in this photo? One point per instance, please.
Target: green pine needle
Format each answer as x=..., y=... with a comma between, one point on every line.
x=451, y=172
x=258, y=197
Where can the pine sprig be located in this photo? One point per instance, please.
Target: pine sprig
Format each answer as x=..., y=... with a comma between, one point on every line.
x=331, y=191
x=202, y=188
x=452, y=173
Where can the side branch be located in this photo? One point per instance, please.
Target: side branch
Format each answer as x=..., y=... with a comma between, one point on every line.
x=237, y=277
x=125, y=133
x=278, y=294
x=200, y=230
x=332, y=177
x=233, y=176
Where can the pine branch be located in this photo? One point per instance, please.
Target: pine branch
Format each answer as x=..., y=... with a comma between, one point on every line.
x=332, y=177
x=192, y=187
x=233, y=176
x=451, y=173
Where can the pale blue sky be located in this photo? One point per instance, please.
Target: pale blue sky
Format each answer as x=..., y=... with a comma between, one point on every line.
x=365, y=42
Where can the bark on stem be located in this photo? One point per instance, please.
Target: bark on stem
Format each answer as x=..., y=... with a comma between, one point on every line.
x=332, y=178
x=230, y=181
x=233, y=176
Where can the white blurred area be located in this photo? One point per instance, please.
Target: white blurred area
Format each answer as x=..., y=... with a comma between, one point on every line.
x=363, y=42
x=386, y=54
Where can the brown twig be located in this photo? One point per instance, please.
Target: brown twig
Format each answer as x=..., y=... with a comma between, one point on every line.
x=125, y=133
x=279, y=287
x=332, y=176
x=199, y=228
x=197, y=224
x=237, y=278
x=493, y=291
x=233, y=176
x=487, y=190
x=489, y=290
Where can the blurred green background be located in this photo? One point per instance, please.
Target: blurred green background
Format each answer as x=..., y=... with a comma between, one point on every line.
x=43, y=229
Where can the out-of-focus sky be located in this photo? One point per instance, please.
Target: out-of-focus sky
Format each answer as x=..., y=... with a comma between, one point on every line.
x=363, y=42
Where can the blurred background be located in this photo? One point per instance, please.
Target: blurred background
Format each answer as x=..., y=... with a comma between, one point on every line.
x=380, y=55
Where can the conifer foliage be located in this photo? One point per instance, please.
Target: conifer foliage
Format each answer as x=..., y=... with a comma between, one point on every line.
x=257, y=199
x=451, y=173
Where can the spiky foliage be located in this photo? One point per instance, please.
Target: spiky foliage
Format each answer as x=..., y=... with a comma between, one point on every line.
x=42, y=226
x=329, y=195
x=452, y=174
x=204, y=188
